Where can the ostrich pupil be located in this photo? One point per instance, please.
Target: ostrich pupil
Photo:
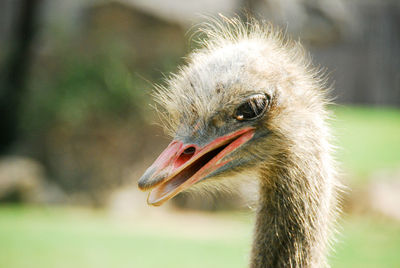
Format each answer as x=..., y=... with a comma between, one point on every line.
x=252, y=108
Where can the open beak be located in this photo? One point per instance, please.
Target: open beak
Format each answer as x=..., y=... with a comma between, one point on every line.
x=181, y=165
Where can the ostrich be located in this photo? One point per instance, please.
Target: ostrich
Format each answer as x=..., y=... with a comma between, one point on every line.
x=250, y=104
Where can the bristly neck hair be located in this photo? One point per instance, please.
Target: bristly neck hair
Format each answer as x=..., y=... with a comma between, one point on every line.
x=294, y=217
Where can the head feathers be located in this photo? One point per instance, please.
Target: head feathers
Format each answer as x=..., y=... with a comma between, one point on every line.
x=235, y=59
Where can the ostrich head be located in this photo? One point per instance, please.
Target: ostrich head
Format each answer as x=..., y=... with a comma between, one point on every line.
x=247, y=101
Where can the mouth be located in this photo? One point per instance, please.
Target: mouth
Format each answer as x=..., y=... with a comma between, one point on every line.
x=182, y=165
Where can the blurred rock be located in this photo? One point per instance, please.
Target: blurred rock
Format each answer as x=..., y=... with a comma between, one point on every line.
x=318, y=22
x=381, y=195
x=384, y=194
x=127, y=201
x=147, y=39
x=22, y=180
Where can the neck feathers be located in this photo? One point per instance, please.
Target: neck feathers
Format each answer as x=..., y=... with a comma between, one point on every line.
x=296, y=208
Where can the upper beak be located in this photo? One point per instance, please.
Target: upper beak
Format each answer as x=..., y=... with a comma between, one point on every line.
x=181, y=165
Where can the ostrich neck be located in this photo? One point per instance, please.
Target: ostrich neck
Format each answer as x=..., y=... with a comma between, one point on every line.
x=292, y=217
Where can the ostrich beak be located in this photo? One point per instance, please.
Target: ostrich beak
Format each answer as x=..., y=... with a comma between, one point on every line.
x=181, y=165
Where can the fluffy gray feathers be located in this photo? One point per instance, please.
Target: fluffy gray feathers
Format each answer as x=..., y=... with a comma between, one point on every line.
x=235, y=58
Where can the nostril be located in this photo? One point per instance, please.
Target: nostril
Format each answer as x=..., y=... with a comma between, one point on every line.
x=185, y=156
x=189, y=150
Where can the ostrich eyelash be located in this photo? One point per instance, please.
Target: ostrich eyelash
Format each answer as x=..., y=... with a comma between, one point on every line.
x=253, y=107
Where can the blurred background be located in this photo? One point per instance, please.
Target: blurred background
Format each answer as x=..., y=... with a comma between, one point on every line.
x=78, y=130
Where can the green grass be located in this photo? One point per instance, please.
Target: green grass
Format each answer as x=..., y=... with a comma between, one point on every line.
x=60, y=237
x=34, y=237
x=368, y=242
x=369, y=139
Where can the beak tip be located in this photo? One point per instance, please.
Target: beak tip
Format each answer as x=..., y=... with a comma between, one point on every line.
x=153, y=203
x=141, y=185
x=150, y=179
x=144, y=182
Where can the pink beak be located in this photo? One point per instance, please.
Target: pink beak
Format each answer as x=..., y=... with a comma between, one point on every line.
x=181, y=165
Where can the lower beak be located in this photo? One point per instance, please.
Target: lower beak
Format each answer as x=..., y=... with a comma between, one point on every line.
x=181, y=165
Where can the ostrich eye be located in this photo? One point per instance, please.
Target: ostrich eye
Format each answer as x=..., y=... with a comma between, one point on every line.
x=252, y=108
